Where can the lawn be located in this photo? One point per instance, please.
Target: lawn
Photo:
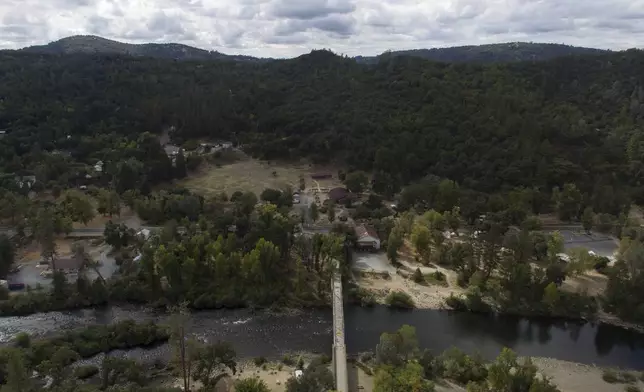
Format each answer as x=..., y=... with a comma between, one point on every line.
x=253, y=175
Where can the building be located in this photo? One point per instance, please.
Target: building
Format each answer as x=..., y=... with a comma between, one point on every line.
x=25, y=181
x=367, y=238
x=337, y=195
x=98, y=167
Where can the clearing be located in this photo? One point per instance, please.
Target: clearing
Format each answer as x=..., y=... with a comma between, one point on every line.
x=254, y=175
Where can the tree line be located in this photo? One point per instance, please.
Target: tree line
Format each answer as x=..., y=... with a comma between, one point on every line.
x=490, y=128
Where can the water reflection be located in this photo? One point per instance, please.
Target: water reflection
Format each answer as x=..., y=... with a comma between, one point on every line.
x=261, y=333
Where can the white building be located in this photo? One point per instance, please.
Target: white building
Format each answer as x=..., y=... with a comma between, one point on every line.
x=367, y=237
x=98, y=167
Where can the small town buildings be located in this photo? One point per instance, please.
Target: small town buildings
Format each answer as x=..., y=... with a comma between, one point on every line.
x=367, y=238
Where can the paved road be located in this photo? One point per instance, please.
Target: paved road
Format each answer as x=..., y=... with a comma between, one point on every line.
x=602, y=244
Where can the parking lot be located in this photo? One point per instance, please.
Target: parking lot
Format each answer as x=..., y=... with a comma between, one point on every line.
x=601, y=244
x=372, y=261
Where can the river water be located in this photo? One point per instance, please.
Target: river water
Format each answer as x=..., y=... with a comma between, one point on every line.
x=264, y=334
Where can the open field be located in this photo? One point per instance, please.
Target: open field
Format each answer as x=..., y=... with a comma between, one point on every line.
x=253, y=175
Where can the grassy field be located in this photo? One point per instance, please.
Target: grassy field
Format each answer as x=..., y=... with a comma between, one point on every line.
x=253, y=175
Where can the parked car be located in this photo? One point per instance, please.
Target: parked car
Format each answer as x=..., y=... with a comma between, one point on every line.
x=16, y=286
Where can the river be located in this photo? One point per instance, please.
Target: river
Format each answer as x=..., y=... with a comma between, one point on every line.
x=264, y=334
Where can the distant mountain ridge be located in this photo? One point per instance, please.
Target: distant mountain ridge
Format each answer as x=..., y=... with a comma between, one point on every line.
x=493, y=53
x=99, y=45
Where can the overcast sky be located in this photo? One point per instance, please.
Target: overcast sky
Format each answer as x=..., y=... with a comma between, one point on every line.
x=286, y=28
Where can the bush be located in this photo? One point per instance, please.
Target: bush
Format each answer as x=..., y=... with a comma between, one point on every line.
x=85, y=371
x=455, y=365
x=632, y=388
x=610, y=376
x=418, y=276
x=22, y=340
x=362, y=296
x=259, y=361
x=601, y=263
x=627, y=378
x=399, y=300
x=288, y=360
x=436, y=278
x=456, y=302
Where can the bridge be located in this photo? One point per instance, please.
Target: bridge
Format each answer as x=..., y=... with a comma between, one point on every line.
x=339, y=354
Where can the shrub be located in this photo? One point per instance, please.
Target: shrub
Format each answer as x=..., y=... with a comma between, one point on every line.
x=418, y=276
x=456, y=302
x=436, y=278
x=85, y=371
x=455, y=365
x=288, y=360
x=399, y=300
x=300, y=363
x=610, y=376
x=632, y=388
x=259, y=361
x=627, y=378
x=601, y=263
x=22, y=340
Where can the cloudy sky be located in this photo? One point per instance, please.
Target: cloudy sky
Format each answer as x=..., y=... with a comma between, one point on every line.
x=285, y=28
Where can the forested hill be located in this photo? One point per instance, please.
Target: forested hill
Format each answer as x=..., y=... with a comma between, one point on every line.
x=490, y=128
x=99, y=45
x=493, y=53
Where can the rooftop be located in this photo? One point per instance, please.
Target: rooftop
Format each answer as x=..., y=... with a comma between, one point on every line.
x=366, y=231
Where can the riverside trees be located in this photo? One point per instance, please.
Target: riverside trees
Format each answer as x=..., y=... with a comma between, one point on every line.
x=401, y=367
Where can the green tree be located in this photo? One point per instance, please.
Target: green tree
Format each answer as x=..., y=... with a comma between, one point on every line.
x=397, y=348
x=587, y=219
x=567, y=202
x=421, y=239
x=356, y=181
x=18, y=377
x=555, y=245
x=78, y=206
x=180, y=165
x=251, y=385
x=7, y=255
x=551, y=296
x=394, y=242
x=407, y=378
x=315, y=214
x=212, y=362
x=331, y=212
x=185, y=348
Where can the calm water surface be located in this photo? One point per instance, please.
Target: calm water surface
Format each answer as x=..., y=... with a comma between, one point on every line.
x=260, y=333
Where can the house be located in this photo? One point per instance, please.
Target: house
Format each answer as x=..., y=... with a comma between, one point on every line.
x=336, y=195
x=321, y=176
x=145, y=233
x=367, y=238
x=25, y=181
x=98, y=167
x=171, y=150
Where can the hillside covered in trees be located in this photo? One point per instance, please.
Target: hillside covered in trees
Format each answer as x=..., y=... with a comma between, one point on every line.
x=490, y=128
x=492, y=53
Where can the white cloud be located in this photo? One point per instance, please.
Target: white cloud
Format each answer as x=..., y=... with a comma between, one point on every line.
x=284, y=28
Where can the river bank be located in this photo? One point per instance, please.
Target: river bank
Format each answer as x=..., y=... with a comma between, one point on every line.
x=432, y=297
x=576, y=377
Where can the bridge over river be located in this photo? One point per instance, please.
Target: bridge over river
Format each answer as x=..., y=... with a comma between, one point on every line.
x=339, y=350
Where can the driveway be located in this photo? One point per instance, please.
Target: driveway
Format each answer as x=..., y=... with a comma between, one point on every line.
x=368, y=261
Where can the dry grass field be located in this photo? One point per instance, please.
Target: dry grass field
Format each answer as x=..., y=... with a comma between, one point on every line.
x=253, y=175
